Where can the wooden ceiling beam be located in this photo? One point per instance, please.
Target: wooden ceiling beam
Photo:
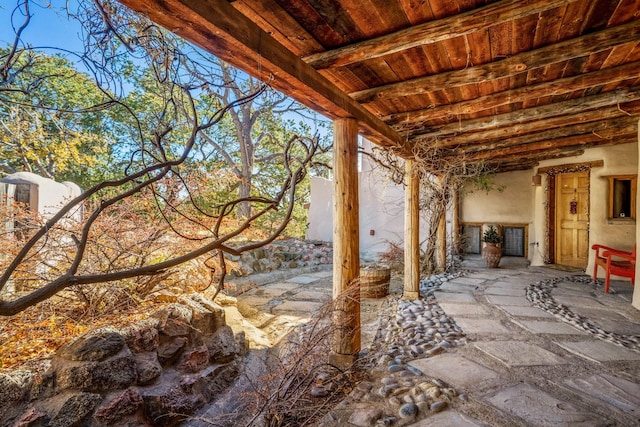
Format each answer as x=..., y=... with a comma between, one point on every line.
x=432, y=32
x=548, y=154
x=515, y=166
x=536, y=157
x=606, y=129
x=526, y=61
x=563, y=113
x=217, y=27
x=551, y=88
x=545, y=145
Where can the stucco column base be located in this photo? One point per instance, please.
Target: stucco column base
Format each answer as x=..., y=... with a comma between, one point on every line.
x=411, y=295
x=342, y=360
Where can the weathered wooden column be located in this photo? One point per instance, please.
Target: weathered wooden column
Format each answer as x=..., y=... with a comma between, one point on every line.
x=441, y=253
x=441, y=250
x=455, y=222
x=346, y=244
x=411, y=232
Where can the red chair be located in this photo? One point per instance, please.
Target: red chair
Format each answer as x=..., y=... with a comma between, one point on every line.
x=615, y=262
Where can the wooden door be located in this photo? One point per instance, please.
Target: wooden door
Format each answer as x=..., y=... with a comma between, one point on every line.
x=572, y=219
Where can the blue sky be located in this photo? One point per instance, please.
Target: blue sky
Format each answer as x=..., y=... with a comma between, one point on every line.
x=49, y=26
x=50, y=29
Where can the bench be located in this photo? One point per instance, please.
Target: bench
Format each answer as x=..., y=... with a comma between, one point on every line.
x=614, y=262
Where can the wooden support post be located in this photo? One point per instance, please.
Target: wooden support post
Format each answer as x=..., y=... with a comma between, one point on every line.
x=412, y=232
x=346, y=244
x=455, y=223
x=441, y=254
x=441, y=247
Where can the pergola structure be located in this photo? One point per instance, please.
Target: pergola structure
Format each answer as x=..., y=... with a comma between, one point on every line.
x=502, y=83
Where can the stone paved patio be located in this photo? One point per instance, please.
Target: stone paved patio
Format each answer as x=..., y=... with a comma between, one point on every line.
x=521, y=366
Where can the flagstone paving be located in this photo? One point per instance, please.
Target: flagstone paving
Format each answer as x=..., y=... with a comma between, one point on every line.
x=520, y=366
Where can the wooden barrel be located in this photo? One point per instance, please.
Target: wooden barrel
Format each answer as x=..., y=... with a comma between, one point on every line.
x=374, y=282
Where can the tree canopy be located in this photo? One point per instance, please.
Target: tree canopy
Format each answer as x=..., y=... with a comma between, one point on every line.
x=180, y=157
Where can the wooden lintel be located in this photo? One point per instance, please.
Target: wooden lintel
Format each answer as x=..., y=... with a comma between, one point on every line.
x=512, y=96
x=432, y=32
x=523, y=62
x=593, y=164
x=217, y=27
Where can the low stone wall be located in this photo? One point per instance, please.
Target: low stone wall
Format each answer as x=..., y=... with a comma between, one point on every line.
x=283, y=254
x=154, y=372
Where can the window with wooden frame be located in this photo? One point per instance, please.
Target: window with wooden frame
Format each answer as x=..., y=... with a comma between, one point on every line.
x=622, y=197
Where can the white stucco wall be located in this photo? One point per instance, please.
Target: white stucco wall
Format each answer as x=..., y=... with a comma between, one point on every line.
x=320, y=210
x=381, y=210
x=513, y=205
x=523, y=203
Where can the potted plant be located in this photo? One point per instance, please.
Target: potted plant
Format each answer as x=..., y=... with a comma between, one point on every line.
x=491, y=253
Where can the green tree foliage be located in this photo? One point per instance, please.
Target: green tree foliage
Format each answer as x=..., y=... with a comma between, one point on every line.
x=192, y=161
x=51, y=121
x=250, y=142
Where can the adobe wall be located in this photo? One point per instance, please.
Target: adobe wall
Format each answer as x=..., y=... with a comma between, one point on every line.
x=521, y=202
x=381, y=210
x=618, y=160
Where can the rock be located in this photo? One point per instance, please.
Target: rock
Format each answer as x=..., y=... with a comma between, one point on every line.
x=75, y=410
x=95, y=346
x=194, y=360
x=169, y=352
x=124, y=404
x=114, y=373
x=365, y=417
x=211, y=381
x=148, y=367
x=396, y=368
x=365, y=386
x=174, y=320
x=45, y=386
x=438, y=406
x=168, y=407
x=222, y=346
x=142, y=336
x=385, y=391
x=408, y=410
x=386, y=422
x=207, y=316
x=10, y=391
x=32, y=417
x=319, y=392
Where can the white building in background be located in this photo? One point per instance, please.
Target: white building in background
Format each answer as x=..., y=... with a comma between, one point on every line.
x=43, y=195
x=381, y=210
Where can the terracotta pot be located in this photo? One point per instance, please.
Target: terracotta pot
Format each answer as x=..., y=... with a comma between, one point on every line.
x=491, y=255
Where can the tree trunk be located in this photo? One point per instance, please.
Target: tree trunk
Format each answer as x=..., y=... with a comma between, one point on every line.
x=244, y=190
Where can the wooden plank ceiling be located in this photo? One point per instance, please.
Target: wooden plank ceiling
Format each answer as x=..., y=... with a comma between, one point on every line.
x=501, y=83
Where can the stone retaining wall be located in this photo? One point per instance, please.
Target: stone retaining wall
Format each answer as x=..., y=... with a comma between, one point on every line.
x=282, y=254
x=154, y=372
